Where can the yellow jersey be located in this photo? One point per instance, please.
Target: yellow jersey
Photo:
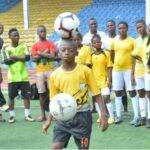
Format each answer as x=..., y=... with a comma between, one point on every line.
x=143, y=52
x=84, y=55
x=100, y=64
x=122, y=50
x=139, y=66
x=76, y=83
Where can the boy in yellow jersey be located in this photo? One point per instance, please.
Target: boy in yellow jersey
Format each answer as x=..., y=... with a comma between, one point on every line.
x=121, y=49
x=74, y=79
x=15, y=56
x=142, y=53
x=84, y=51
x=102, y=70
x=139, y=70
x=43, y=53
x=84, y=57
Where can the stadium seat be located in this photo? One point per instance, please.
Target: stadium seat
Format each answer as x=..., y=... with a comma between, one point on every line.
x=11, y=18
x=127, y=10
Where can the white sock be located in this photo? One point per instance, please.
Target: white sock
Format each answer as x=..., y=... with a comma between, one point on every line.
x=97, y=109
x=118, y=104
x=110, y=109
x=27, y=112
x=135, y=104
x=142, y=104
x=12, y=113
x=148, y=108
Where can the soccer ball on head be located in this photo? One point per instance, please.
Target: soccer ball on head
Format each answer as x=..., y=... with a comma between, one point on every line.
x=66, y=25
x=63, y=107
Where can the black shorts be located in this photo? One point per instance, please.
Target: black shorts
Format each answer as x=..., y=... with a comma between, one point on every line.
x=79, y=127
x=14, y=87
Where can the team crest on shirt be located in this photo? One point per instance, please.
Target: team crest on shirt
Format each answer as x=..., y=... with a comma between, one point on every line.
x=82, y=86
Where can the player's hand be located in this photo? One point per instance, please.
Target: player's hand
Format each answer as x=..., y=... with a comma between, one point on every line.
x=45, y=127
x=46, y=51
x=13, y=57
x=103, y=122
x=43, y=52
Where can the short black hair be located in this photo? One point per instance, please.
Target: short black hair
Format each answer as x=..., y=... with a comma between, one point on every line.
x=41, y=26
x=92, y=18
x=12, y=30
x=79, y=35
x=123, y=22
x=68, y=42
x=112, y=21
x=141, y=21
x=95, y=36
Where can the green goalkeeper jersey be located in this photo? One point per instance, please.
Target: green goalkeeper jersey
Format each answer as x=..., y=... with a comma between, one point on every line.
x=17, y=71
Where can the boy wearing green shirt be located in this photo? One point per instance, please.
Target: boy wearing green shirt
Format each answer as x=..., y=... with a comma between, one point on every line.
x=15, y=56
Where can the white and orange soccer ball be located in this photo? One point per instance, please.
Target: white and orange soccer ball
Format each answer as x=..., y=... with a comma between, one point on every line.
x=63, y=107
x=66, y=25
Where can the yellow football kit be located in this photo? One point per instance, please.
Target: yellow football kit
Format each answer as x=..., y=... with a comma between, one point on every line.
x=143, y=53
x=84, y=55
x=100, y=64
x=122, y=50
x=76, y=83
x=139, y=67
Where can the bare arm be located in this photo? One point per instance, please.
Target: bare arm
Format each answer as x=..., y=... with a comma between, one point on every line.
x=133, y=71
x=133, y=65
x=48, y=55
x=20, y=58
x=47, y=124
x=109, y=77
x=112, y=55
x=104, y=116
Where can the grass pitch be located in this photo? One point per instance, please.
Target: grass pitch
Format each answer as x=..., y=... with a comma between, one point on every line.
x=28, y=135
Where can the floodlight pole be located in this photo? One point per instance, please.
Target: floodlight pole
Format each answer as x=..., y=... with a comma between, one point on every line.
x=147, y=6
x=26, y=14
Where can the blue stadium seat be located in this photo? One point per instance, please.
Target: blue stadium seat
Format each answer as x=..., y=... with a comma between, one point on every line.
x=5, y=5
x=103, y=10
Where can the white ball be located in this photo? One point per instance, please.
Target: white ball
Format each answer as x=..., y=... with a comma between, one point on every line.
x=63, y=107
x=66, y=24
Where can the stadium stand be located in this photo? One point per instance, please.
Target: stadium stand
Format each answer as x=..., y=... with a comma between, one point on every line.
x=103, y=10
x=5, y=5
x=41, y=12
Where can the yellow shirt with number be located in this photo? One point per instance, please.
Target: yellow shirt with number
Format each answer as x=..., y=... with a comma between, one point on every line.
x=84, y=55
x=100, y=64
x=139, y=67
x=76, y=83
x=122, y=50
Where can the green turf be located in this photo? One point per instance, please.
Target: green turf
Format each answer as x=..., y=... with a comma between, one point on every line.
x=28, y=135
